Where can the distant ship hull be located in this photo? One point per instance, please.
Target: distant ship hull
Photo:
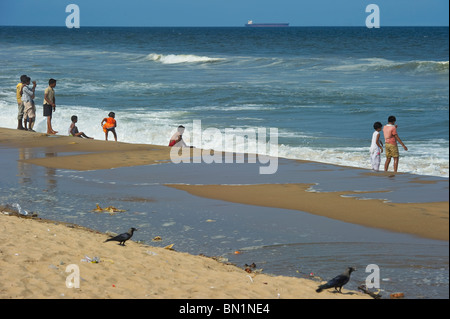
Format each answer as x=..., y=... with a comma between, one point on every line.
x=267, y=25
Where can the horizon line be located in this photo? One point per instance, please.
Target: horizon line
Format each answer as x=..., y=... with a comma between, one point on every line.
x=240, y=26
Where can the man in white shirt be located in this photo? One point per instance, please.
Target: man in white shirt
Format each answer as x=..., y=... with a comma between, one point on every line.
x=28, y=102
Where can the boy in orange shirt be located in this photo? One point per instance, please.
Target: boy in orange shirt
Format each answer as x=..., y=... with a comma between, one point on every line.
x=391, y=138
x=109, y=125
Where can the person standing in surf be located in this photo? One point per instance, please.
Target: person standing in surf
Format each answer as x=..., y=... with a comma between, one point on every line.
x=391, y=138
x=109, y=124
x=376, y=147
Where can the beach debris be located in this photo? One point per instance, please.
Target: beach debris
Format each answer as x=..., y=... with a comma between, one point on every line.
x=397, y=295
x=249, y=268
x=237, y=252
x=19, y=209
x=375, y=295
x=108, y=260
x=122, y=238
x=109, y=209
x=314, y=276
x=219, y=259
x=16, y=210
x=151, y=253
x=338, y=281
x=93, y=260
x=157, y=238
x=98, y=209
x=169, y=247
x=210, y=220
x=251, y=279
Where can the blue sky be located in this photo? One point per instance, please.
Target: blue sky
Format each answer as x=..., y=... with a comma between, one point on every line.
x=224, y=12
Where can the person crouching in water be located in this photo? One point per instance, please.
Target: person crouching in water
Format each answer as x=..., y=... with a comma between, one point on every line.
x=177, y=139
x=110, y=125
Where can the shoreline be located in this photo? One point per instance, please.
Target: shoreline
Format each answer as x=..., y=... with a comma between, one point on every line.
x=420, y=219
x=135, y=154
x=428, y=220
x=34, y=265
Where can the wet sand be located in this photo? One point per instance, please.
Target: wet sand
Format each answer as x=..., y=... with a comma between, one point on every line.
x=429, y=220
x=94, y=154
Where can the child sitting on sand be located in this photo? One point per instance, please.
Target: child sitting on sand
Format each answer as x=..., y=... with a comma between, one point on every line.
x=110, y=125
x=376, y=148
x=73, y=129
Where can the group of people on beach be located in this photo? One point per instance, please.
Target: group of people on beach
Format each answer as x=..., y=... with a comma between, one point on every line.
x=27, y=110
x=27, y=115
x=390, y=138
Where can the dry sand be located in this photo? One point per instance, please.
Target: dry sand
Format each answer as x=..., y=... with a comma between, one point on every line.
x=34, y=256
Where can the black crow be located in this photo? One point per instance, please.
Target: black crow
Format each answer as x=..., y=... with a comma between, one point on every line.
x=122, y=238
x=338, y=281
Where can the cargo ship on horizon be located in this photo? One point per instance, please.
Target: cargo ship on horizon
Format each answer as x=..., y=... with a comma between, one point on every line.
x=250, y=23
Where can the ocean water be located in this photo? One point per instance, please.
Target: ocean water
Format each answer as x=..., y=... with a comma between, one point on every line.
x=321, y=88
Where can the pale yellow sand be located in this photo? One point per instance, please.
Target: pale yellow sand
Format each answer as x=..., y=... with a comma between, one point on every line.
x=34, y=256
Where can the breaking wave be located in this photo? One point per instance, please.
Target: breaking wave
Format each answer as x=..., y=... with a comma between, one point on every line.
x=180, y=58
x=377, y=64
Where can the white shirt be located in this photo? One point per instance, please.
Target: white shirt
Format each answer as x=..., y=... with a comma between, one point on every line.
x=374, y=147
x=27, y=94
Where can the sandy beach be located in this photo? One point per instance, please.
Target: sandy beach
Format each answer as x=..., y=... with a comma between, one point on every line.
x=35, y=253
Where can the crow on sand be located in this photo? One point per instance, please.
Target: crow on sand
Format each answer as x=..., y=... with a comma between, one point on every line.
x=122, y=238
x=338, y=281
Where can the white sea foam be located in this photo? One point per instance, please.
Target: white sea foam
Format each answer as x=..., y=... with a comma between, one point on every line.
x=180, y=58
x=376, y=64
x=156, y=127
